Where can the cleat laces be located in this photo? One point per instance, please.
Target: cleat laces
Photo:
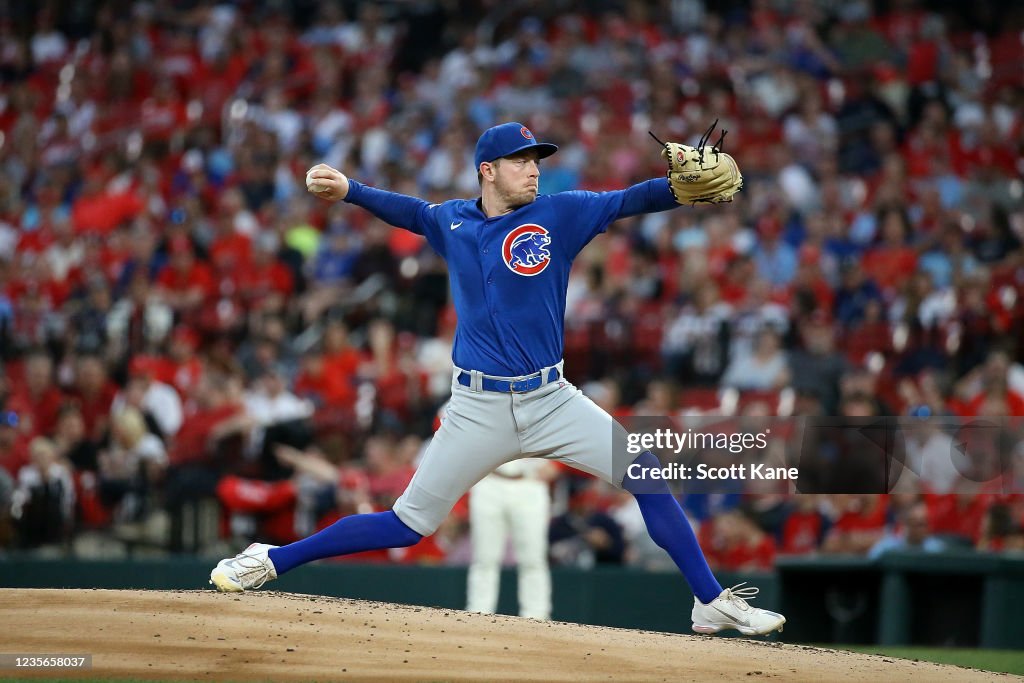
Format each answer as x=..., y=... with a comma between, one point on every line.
x=248, y=565
x=739, y=596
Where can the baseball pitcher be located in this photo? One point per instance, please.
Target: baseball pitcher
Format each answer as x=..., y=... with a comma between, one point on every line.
x=509, y=253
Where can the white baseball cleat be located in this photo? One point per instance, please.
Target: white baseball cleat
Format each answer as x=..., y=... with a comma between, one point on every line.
x=250, y=568
x=730, y=610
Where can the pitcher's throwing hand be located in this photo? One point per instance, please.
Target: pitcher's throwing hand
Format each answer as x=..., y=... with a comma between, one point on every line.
x=327, y=183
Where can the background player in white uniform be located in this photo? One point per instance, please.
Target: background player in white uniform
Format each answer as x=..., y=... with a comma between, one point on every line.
x=513, y=502
x=509, y=253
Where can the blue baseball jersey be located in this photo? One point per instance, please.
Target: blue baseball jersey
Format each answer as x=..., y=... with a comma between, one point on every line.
x=509, y=273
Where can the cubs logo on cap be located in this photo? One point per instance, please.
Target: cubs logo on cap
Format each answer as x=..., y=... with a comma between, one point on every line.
x=525, y=251
x=506, y=139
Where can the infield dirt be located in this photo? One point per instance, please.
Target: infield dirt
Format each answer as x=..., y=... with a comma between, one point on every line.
x=268, y=636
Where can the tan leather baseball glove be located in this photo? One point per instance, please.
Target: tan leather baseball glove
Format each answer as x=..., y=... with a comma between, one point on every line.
x=702, y=173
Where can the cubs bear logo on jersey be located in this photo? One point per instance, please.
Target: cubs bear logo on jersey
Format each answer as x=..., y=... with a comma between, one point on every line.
x=525, y=249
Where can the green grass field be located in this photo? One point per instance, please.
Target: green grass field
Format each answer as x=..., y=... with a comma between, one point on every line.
x=1002, y=661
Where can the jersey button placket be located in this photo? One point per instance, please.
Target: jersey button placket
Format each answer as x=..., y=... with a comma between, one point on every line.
x=486, y=250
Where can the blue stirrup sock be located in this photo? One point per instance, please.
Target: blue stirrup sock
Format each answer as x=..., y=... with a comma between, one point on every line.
x=669, y=528
x=352, y=534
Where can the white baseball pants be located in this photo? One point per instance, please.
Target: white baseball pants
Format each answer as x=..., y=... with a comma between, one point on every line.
x=500, y=508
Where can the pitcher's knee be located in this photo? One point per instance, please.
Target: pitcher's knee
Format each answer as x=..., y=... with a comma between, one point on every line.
x=405, y=534
x=639, y=480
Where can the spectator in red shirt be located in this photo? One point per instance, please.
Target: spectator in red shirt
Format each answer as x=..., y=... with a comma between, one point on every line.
x=100, y=209
x=955, y=515
x=401, y=385
x=32, y=278
x=163, y=113
x=892, y=261
x=810, y=284
x=312, y=382
x=804, y=527
x=870, y=334
x=270, y=503
x=736, y=543
x=341, y=363
x=219, y=413
x=265, y=283
x=859, y=524
x=217, y=80
x=185, y=283
x=38, y=395
x=740, y=275
x=230, y=252
x=94, y=393
x=186, y=368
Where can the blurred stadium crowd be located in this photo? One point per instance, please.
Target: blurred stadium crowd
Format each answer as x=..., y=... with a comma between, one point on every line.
x=194, y=349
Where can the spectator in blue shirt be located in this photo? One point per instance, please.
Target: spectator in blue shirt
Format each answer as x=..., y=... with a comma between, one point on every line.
x=915, y=535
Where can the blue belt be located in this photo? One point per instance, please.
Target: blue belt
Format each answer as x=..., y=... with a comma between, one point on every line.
x=510, y=386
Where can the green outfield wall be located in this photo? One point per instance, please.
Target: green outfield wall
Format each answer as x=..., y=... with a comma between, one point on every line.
x=963, y=600
x=953, y=599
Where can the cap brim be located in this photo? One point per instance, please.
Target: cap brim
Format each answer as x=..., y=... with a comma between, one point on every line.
x=544, y=149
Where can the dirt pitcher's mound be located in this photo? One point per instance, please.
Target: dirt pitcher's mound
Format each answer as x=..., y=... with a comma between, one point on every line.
x=266, y=636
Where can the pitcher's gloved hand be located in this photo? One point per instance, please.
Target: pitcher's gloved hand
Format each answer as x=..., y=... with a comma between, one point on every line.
x=702, y=173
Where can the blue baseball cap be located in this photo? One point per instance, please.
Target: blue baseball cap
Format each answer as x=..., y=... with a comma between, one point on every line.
x=509, y=138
